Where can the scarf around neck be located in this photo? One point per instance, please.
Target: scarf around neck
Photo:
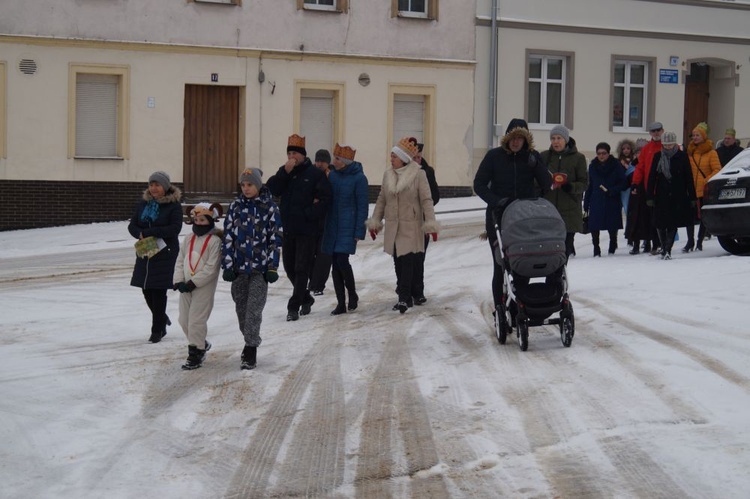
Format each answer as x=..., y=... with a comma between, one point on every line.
x=663, y=166
x=150, y=212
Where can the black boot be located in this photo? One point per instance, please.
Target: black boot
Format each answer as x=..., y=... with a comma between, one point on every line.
x=612, y=247
x=249, y=357
x=351, y=287
x=690, y=229
x=196, y=356
x=701, y=235
x=595, y=241
x=338, y=286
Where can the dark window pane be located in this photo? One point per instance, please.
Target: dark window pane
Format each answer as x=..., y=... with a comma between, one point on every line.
x=535, y=97
x=535, y=68
x=619, y=73
x=554, y=69
x=637, y=74
x=618, y=102
x=554, y=103
x=418, y=6
x=636, y=108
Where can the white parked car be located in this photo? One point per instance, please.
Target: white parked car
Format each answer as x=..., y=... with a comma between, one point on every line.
x=726, y=205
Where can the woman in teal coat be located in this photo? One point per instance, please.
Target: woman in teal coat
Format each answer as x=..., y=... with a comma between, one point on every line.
x=345, y=224
x=570, y=179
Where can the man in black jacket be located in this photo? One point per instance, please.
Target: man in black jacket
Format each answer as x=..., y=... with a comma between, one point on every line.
x=509, y=172
x=728, y=148
x=417, y=291
x=305, y=197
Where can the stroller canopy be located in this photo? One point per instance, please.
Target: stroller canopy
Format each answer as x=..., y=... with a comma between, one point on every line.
x=532, y=235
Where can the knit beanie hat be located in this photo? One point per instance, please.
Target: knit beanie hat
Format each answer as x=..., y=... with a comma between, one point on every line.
x=323, y=155
x=561, y=131
x=161, y=178
x=252, y=175
x=702, y=128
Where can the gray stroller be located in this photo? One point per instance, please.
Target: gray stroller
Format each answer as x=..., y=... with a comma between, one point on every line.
x=531, y=239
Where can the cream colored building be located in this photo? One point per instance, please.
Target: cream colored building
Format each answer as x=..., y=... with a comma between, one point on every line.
x=606, y=68
x=96, y=92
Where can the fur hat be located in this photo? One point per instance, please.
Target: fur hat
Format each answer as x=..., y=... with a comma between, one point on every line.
x=560, y=130
x=252, y=175
x=161, y=178
x=323, y=155
x=669, y=138
x=297, y=144
x=702, y=128
x=405, y=149
x=344, y=152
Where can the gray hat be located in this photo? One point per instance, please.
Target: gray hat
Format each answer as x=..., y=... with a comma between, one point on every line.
x=161, y=178
x=252, y=175
x=669, y=138
x=656, y=125
x=561, y=131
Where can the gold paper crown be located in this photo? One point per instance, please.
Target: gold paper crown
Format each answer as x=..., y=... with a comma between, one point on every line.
x=296, y=141
x=408, y=147
x=345, y=152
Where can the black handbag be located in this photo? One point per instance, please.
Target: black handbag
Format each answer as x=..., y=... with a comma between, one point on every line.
x=585, y=223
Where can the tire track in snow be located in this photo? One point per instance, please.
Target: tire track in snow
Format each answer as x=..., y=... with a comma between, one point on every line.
x=708, y=362
x=315, y=459
x=396, y=419
x=251, y=478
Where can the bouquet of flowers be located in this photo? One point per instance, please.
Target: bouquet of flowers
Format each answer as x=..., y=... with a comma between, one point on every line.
x=149, y=246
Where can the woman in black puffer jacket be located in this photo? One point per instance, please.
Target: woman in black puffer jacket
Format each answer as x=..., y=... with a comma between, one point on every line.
x=158, y=215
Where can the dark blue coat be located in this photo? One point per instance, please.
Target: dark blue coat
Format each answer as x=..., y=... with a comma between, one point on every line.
x=605, y=207
x=299, y=190
x=346, y=218
x=156, y=272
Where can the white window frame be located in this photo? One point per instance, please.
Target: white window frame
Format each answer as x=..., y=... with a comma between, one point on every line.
x=123, y=106
x=338, y=6
x=316, y=5
x=544, y=81
x=430, y=12
x=221, y=2
x=429, y=93
x=627, y=85
x=309, y=87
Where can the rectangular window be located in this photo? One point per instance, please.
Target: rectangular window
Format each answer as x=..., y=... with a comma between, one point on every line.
x=547, y=90
x=329, y=5
x=630, y=95
x=226, y=2
x=2, y=110
x=98, y=110
x=319, y=114
x=411, y=113
x=420, y=9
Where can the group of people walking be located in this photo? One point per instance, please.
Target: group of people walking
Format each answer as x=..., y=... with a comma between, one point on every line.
x=321, y=216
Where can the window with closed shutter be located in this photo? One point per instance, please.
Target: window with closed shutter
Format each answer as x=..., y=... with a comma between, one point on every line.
x=96, y=115
x=408, y=117
x=317, y=119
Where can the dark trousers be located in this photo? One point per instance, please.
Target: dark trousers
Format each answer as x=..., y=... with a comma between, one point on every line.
x=343, y=280
x=297, y=253
x=497, y=272
x=321, y=268
x=156, y=299
x=570, y=248
x=612, y=240
x=417, y=290
x=667, y=239
x=405, y=275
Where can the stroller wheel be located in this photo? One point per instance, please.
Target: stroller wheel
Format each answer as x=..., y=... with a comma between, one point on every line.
x=523, y=335
x=567, y=330
x=501, y=325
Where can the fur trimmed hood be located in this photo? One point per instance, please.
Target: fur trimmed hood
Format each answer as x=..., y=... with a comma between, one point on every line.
x=518, y=132
x=173, y=195
x=397, y=182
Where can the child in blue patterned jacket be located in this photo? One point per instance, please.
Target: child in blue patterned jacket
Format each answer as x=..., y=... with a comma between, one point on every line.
x=250, y=256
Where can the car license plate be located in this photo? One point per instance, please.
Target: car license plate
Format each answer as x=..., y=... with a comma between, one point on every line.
x=736, y=193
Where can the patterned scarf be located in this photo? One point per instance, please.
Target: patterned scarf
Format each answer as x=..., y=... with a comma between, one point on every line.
x=663, y=166
x=150, y=212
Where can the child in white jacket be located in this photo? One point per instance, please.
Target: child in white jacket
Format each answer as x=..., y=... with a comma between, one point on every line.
x=195, y=276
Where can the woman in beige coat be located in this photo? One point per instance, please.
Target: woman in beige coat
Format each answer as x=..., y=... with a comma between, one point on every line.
x=406, y=204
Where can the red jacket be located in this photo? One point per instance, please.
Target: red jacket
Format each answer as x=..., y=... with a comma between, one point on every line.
x=645, y=158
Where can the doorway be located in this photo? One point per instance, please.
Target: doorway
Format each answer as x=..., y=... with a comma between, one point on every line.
x=211, y=141
x=696, y=98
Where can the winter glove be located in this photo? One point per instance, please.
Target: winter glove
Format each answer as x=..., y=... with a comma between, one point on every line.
x=229, y=275
x=650, y=203
x=373, y=234
x=567, y=188
x=271, y=276
x=188, y=287
x=176, y=286
x=434, y=235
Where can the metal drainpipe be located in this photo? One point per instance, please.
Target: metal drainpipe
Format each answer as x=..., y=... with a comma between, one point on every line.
x=493, y=78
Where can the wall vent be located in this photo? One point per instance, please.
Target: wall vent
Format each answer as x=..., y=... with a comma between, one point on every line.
x=28, y=66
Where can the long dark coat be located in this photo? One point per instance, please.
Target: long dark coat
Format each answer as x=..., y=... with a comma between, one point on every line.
x=305, y=198
x=604, y=207
x=346, y=218
x=674, y=199
x=156, y=272
x=572, y=163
